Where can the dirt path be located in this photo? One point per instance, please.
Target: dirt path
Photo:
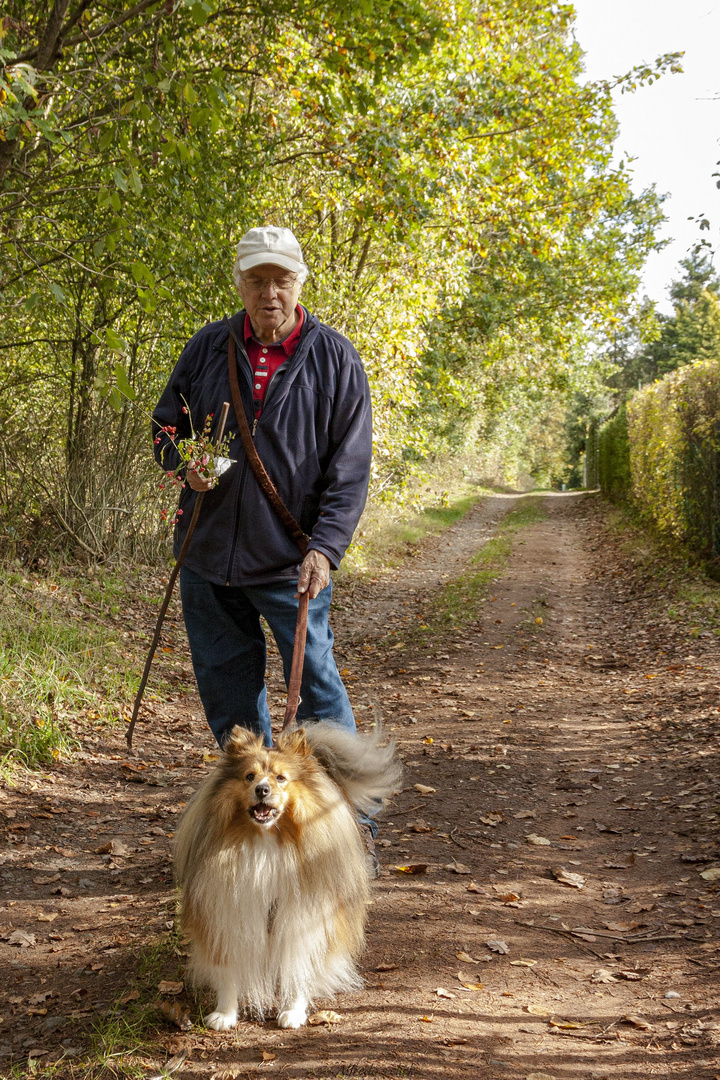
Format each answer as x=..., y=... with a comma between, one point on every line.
x=575, y=751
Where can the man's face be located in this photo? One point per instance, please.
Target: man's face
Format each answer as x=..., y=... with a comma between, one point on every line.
x=270, y=295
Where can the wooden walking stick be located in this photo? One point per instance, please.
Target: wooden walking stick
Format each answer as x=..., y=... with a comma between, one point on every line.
x=298, y=658
x=169, y=590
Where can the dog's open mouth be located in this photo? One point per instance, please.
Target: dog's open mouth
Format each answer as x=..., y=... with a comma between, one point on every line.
x=263, y=813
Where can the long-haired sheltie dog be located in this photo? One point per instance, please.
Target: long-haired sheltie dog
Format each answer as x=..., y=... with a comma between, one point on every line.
x=273, y=872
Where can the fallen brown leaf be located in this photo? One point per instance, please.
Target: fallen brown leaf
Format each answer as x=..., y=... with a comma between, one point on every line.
x=567, y=877
x=623, y=862
x=497, y=946
x=457, y=868
x=472, y=886
x=325, y=1016
x=113, y=847
x=170, y=1066
x=636, y=1021
x=412, y=868
x=167, y=986
x=22, y=939
x=466, y=959
x=176, y=1013
x=424, y=789
x=419, y=826
x=443, y=993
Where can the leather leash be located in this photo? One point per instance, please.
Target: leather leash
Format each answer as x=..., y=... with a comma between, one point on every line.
x=291, y=526
x=169, y=590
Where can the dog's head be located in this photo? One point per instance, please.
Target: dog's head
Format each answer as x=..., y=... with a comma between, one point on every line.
x=263, y=780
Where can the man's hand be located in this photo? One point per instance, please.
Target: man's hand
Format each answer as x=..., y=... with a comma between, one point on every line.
x=198, y=483
x=314, y=574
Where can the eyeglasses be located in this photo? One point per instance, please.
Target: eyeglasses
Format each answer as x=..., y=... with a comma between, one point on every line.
x=282, y=284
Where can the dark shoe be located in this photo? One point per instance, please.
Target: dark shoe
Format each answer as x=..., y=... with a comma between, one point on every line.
x=371, y=860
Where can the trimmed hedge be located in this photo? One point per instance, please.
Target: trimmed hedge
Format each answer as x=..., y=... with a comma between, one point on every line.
x=614, y=456
x=665, y=455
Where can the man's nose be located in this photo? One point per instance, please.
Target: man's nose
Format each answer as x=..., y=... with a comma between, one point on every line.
x=269, y=287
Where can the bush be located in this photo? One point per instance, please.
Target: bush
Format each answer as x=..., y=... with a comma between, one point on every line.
x=674, y=439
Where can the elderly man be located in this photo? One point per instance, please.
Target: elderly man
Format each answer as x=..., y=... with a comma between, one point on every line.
x=307, y=402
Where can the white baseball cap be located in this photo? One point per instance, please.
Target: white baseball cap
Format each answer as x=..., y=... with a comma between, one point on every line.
x=269, y=244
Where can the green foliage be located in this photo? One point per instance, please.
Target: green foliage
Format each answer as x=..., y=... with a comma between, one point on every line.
x=674, y=434
x=447, y=170
x=614, y=475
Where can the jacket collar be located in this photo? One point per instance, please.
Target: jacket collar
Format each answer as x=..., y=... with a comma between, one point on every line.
x=309, y=331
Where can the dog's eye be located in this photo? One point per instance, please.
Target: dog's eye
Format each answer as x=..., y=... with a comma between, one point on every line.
x=281, y=779
x=250, y=776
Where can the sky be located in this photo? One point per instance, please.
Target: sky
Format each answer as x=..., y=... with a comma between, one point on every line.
x=671, y=128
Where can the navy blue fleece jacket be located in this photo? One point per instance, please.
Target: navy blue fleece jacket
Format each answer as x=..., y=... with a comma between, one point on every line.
x=314, y=437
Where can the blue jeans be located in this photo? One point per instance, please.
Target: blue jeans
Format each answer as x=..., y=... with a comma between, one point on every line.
x=229, y=655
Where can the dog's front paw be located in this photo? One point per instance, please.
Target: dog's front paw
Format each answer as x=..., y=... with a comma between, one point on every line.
x=292, y=1018
x=220, y=1021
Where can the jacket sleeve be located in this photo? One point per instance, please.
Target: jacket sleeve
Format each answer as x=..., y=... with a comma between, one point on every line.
x=347, y=474
x=169, y=414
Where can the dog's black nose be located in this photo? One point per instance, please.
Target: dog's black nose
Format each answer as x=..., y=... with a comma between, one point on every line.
x=262, y=790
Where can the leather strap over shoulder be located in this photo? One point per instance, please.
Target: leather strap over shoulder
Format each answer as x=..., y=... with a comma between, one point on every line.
x=291, y=526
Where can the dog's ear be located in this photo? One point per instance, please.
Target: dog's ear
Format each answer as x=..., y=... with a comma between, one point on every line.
x=240, y=741
x=294, y=742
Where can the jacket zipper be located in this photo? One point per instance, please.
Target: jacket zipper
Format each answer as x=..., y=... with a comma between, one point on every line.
x=241, y=488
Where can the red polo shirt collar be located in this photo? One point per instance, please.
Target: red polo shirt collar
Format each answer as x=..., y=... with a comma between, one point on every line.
x=289, y=343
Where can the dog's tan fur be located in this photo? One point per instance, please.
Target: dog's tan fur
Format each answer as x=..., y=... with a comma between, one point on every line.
x=275, y=887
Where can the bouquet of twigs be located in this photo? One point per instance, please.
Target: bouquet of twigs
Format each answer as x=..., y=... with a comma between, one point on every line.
x=198, y=454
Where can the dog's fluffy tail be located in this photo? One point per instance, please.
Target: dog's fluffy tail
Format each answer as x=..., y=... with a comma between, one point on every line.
x=366, y=771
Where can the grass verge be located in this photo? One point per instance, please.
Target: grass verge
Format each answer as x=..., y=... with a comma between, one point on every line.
x=681, y=587
x=71, y=648
x=127, y=1041
x=389, y=532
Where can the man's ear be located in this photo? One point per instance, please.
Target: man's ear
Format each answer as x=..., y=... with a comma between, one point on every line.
x=294, y=742
x=241, y=741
